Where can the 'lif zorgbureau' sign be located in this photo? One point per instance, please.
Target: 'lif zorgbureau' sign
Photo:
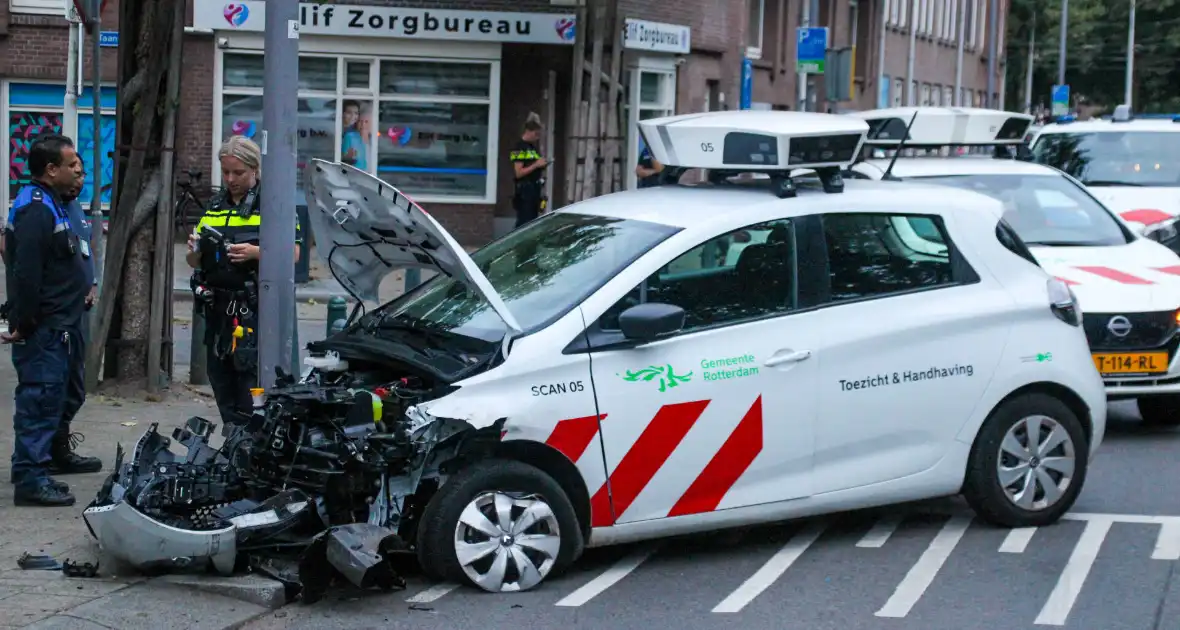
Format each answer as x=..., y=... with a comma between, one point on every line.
x=375, y=21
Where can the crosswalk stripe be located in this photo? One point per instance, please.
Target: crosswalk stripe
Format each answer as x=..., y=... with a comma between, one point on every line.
x=1073, y=576
x=1167, y=545
x=432, y=593
x=606, y=579
x=915, y=583
x=1017, y=540
x=881, y=531
x=772, y=570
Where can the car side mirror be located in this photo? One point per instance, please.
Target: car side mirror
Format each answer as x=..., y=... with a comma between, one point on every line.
x=647, y=322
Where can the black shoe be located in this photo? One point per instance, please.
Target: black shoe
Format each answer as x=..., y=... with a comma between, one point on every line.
x=46, y=496
x=67, y=462
x=61, y=485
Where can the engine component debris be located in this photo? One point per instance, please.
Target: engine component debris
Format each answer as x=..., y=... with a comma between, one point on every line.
x=31, y=562
x=325, y=480
x=79, y=569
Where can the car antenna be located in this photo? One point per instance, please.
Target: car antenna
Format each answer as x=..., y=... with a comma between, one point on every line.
x=889, y=171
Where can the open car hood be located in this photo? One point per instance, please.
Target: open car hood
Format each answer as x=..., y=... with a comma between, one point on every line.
x=368, y=228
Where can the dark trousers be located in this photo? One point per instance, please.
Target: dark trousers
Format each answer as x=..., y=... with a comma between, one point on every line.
x=44, y=365
x=75, y=390
x=527, y=203
x=231, y=387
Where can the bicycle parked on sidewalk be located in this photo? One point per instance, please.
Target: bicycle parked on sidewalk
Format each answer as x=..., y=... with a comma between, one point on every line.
x=190, y=205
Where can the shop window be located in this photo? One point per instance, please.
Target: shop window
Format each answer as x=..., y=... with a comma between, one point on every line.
x=434, y=148
x=427, y=78
x=241, y=115
x=35, y=109
x=422, y=126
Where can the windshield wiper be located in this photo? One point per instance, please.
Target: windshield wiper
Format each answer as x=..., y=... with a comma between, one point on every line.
x=1109, y=182
x=1064, y=243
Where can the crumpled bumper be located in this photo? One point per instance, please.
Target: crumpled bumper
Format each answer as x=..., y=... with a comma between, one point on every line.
x=135, y=538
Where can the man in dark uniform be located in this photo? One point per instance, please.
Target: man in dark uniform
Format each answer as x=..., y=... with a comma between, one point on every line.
x=65, y=460
x=47, y=284
x=648, y=169
x=529, y=168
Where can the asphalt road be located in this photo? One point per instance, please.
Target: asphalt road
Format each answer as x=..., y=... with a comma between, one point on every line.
x=1109, y=566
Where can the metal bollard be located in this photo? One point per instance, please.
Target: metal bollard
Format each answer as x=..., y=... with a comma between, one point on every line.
x=197, y=369
x=337, y=311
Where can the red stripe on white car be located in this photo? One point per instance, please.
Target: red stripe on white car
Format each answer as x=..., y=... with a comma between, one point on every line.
x=726, y=467
x=571, y=437
x=1174, y=270
x=645, y=458
x=1145, y=216
x=1066, y=280
x=1116, y=275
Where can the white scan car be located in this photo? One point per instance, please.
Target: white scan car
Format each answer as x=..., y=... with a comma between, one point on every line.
x=614, y=372
x=1128, y=285
x=1131, y=165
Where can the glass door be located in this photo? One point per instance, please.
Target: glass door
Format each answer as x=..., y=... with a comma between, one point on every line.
x=651, y=93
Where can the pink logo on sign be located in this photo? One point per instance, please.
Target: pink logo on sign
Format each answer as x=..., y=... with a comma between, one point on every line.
x=243, y=128
x=236, y=13
x=400, y=135
x=566, y=28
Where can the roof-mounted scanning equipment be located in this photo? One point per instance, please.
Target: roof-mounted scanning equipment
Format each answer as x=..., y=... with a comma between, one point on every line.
x=773, y=143
x=944, y=127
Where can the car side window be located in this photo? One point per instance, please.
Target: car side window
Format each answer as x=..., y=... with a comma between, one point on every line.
x=744, y=274
x=875, y=254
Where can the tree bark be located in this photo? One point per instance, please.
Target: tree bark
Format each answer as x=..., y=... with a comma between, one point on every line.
x=129, y=259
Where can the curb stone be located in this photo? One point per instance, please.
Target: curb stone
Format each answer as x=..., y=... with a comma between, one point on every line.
x=155, y=604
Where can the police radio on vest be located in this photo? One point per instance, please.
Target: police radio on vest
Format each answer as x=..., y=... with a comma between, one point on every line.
x=944, y=126
x=755, y=141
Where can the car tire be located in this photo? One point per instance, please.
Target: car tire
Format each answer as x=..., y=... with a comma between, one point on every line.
x=480, y=486
x=1006, y=506
x=1160, y=411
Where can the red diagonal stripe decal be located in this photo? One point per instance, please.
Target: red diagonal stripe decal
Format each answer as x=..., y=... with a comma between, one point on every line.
x=1145, y=216
x=1174, y=270
x=1066, y=281
x=572, y=436
x=734, y=457
x=1116, y=275
x=643, y=461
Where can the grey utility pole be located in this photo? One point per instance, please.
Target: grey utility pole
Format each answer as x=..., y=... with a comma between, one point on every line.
x=276, y=299
x=1061, y=46
x=881, y=87
x=994, y=49
x=1130, y=58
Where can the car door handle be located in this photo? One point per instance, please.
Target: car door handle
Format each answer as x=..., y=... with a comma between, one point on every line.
x=790, y=357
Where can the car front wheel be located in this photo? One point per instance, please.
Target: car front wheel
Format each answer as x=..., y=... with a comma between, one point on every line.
x=501, y=525
x=1160, y=411
x=1028, y=463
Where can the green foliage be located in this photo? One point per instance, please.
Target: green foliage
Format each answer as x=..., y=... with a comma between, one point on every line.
x=1096, y=52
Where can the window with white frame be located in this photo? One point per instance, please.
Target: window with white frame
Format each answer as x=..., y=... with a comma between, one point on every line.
x=981, y=19
x=969, y=26
x=44, y=7
x=930, y=19
x=948, y=96
x=423, y=126
x=925, y=102
x=920, y=19
x=33, y=109
x=650, y=93
x=756, y=10
x=907, y=7
x=898, y=92
x=954, y=34
x=895, y=9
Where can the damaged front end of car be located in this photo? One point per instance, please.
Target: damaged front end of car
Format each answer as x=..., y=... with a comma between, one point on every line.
x=326, y=479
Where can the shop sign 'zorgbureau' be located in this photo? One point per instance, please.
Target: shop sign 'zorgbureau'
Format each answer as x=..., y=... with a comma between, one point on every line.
x=377, y=21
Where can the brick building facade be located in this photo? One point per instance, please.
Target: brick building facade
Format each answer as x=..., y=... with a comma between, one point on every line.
x=443, y=111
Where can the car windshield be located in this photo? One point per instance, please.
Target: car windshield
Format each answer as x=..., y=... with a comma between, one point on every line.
x=1046, y=210
x=541, y=271
x=1113, y=158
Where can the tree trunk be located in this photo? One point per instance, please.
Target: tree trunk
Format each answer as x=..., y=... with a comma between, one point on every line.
x=127, y=269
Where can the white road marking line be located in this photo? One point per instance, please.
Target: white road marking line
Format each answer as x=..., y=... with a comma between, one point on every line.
x=1122, y=518
x=772, y=570
x=881, y=531
x=915, y=583
x=1167, y=545
x=432, y=593
x=1073, y=576
x=606, y=579
x=1017, y=540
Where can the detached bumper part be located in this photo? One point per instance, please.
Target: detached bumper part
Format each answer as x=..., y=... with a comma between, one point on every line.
x=359, y=552
x=132, y=537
